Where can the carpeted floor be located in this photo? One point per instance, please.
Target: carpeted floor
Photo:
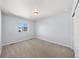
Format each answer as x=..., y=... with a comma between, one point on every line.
x=36, y=48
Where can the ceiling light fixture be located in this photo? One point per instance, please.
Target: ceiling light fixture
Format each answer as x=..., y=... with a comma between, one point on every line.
x=36, y=12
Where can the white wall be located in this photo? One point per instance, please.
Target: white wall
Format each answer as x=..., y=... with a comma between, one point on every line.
x=10, y=32
x=56, y=29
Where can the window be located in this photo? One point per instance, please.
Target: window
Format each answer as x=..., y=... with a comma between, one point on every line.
x=22, y=27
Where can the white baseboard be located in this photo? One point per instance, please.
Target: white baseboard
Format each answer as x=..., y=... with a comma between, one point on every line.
x=43, y=38
x=17, y=41
x=39, y=37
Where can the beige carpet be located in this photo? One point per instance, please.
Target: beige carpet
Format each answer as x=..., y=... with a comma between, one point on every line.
x=36, y=48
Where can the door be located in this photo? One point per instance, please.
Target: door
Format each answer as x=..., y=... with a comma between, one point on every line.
x=76, y=32
x=0, y=29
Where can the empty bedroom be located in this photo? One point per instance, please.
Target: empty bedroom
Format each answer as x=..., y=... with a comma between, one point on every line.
x=39, y=28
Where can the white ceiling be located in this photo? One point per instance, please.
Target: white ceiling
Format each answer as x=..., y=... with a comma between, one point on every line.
x=24, y=8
